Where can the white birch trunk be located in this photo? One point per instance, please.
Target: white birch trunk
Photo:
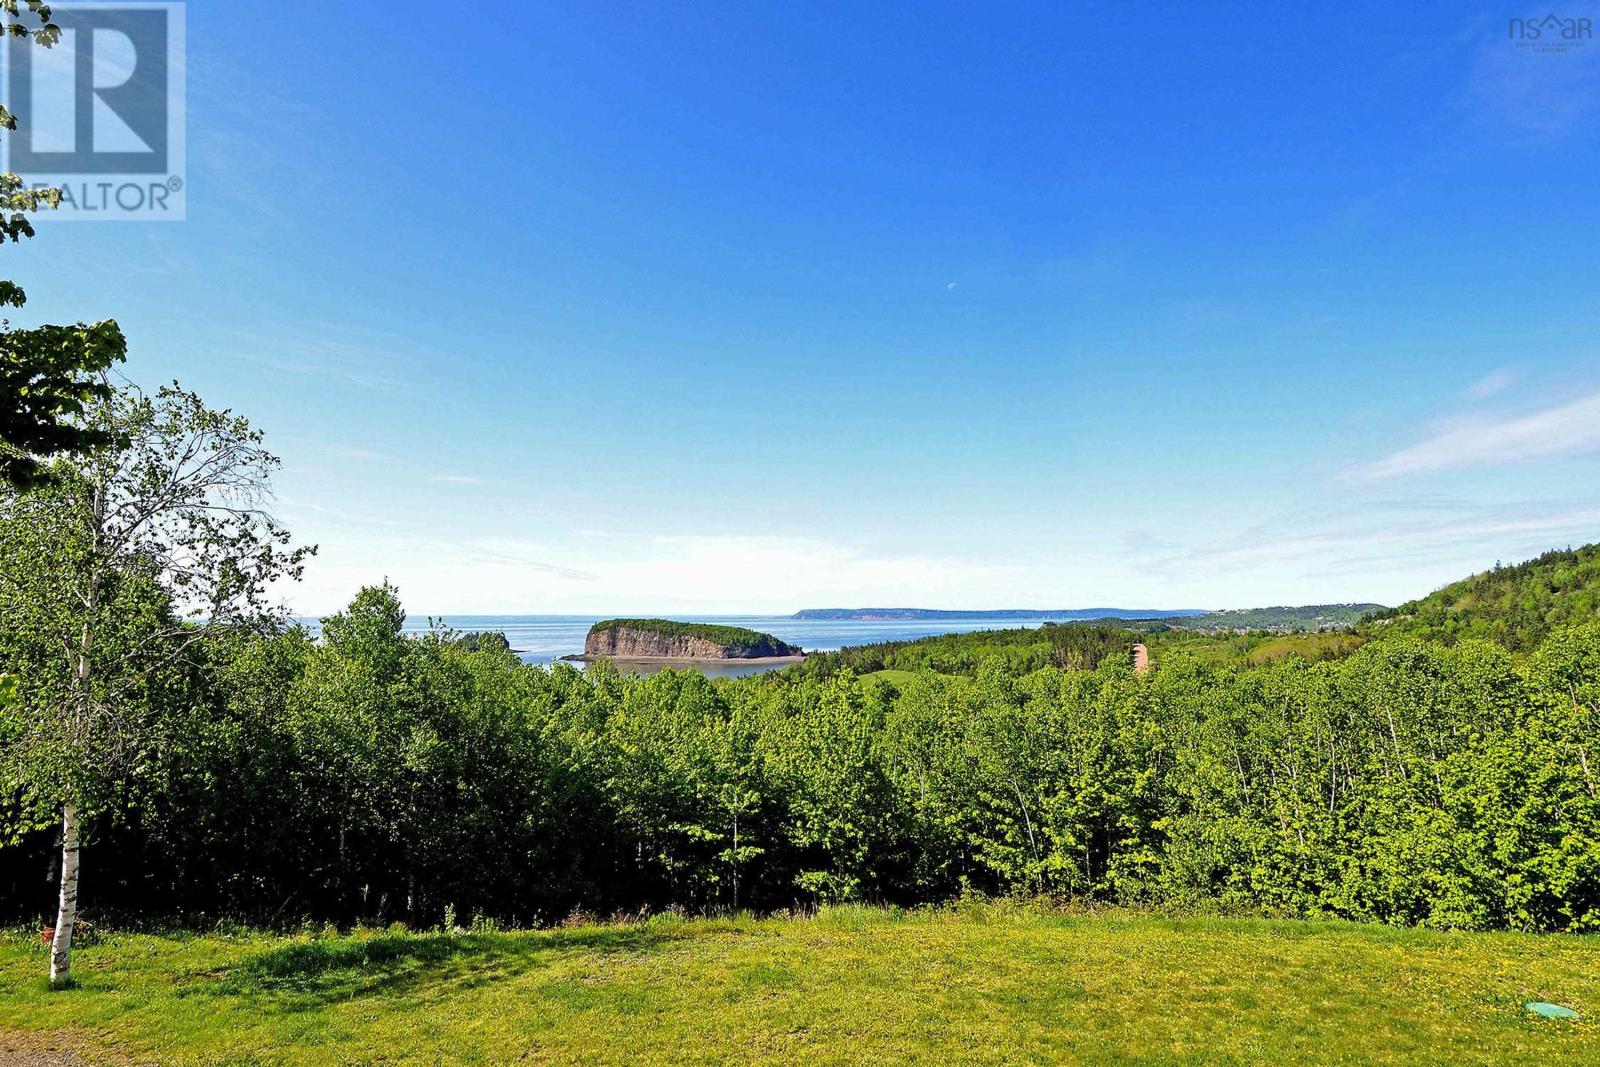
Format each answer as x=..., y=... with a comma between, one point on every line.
x=67, y=912
x=67, y=907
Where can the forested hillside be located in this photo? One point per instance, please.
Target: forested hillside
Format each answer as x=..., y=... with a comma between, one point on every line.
x=1516, y=606
x=1282, y=619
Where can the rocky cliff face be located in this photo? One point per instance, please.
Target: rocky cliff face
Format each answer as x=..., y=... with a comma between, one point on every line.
x=621, y=642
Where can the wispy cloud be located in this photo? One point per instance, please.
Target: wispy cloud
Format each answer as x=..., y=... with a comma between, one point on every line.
x=525, y=556
x=341, y=351
x=1492, y=384
x=1380, y=549
x=1393, y=538
x=319, y=369
x=1568, y=429
x=364, y=454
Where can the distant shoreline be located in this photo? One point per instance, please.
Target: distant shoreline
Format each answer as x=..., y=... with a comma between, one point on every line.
x=684, y=661
x=993, y=614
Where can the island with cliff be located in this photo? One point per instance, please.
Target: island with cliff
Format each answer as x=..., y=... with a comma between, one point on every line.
x=686, y=642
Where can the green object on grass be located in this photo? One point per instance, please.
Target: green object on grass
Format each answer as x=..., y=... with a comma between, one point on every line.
x=1546, y=1010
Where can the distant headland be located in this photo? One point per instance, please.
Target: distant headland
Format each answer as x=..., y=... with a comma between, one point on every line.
x=900, y=614
x=1285, y=619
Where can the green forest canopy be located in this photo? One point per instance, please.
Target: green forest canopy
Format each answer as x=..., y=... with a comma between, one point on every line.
x=380, y=776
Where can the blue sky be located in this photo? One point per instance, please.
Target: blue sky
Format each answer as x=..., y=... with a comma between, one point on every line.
x=748, y=307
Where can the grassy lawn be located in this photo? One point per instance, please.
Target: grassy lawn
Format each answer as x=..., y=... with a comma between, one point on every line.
x=981, y=985
x=897, y=678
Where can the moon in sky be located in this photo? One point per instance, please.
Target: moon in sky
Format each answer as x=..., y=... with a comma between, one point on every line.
x=951, y=287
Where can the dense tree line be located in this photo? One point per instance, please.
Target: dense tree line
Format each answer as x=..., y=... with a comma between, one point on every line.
x=378, y=776
x=1079, y=646
x=1073, y=645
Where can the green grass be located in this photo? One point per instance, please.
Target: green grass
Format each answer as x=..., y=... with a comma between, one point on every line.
x=899, y=679
x=980, y=984
x=1312, y=646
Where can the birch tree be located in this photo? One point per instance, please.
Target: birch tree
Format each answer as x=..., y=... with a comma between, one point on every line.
x=127, y=558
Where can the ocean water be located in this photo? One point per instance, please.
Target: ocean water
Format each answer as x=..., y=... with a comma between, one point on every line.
x=546, y=638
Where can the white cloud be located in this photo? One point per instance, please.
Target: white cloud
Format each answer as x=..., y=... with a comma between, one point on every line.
x=1568, y=429
x=788, y=573
x=658, y=574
